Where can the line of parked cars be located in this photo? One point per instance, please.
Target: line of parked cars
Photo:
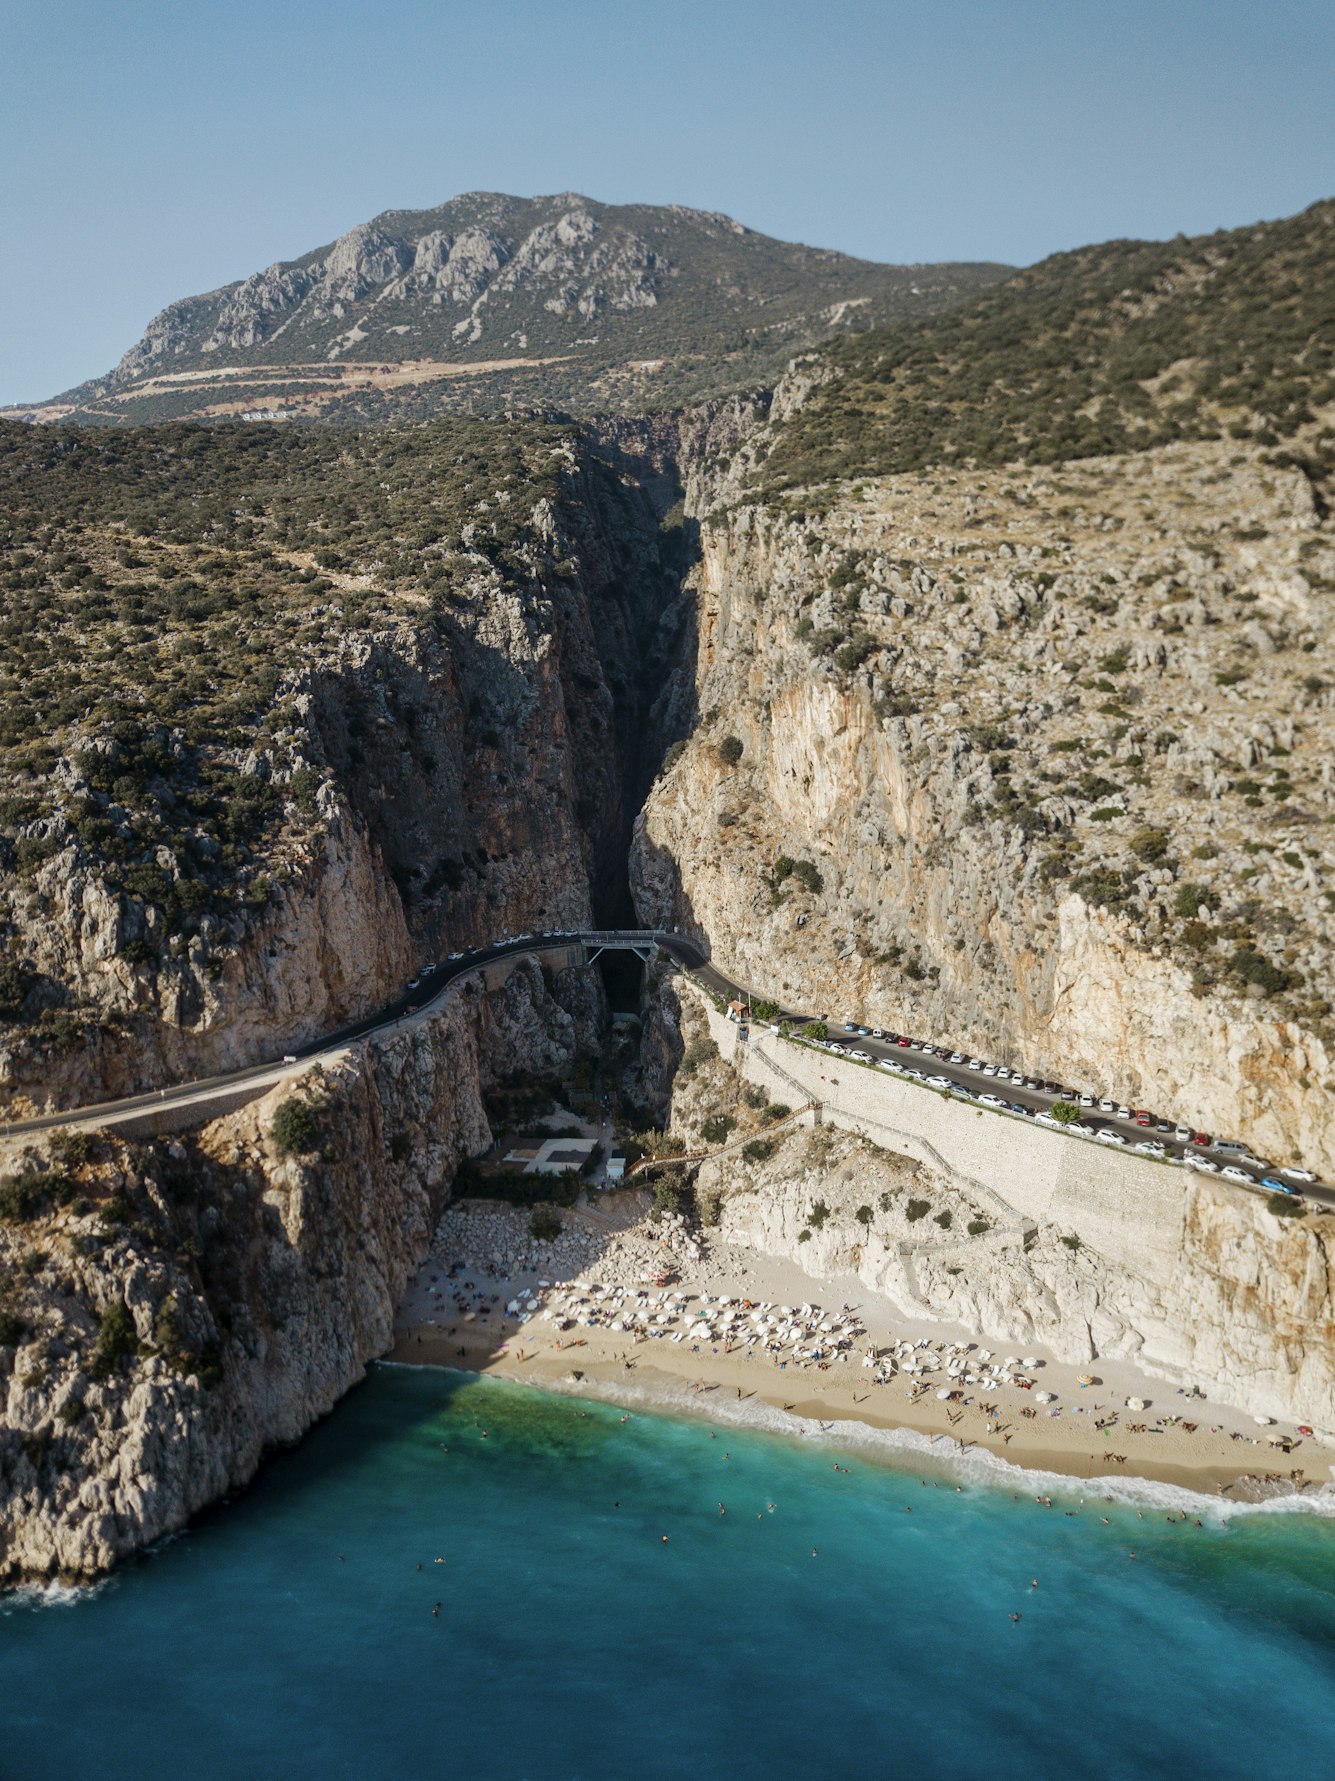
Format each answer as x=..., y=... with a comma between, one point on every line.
x=1194, y=1144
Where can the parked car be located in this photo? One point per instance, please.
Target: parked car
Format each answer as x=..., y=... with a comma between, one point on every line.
x=1297, y=1174
x=1228, y=1147
x=1202, y=1163
x=957, y=1057
x=939, y=1082
x=1236, y=1174
x=1277, y=1186
x=1201, y=1139
x=1086, y=1100
x=1107, y=1137
x=1107, y=1106
x=1144, y=1118
x=454, y=955
x=1182, y=1134
x=991, y=1100
x=1150, y=1147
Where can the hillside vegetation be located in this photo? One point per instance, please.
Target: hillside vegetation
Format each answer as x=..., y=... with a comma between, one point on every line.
x=164, y=591
x=1110, y=349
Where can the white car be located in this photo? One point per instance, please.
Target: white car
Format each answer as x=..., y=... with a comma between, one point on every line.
x=1085, y=1131
x=957, y=1057
x=1235, y=1174
x=1107, y=1137
x=1085, y=1100
x=989, y=1069
x=862, y=1056
x=991, y=1100
x=1150, y=1148
x=1296, y=1174
x=1107, y=1106
x=1202, y=1163
x=454, y=955
x=939, y=1082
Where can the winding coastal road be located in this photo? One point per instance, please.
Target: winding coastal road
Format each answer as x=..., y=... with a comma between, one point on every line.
x=416, y=1002
x=432, y=985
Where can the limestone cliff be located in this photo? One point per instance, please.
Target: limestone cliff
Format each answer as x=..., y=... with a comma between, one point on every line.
x=1036, y=762
x=169, y=1310
x=426, y=770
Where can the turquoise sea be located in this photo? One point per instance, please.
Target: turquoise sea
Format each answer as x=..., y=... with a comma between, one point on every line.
x=817, y=1627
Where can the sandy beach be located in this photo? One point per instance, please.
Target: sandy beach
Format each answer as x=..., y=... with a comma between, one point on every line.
x=500, y=1304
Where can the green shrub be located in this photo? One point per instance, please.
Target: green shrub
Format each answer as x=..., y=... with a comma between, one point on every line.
x=730, y=750
x=917, y=1209
x=295, y=1128
x=545, y=1223
x=758, y=1150
x=22, y=1197
x=818, y=1215
x=1072, y=1241
x=1065, y=1112
x=978, y=1227
x=1283, y=1207
x=815, y=1029
x=944, y=1219
x=116, y=1341
x=1150, y=844
x=1189, y=898
x=864, y=1216
x=698, y=1052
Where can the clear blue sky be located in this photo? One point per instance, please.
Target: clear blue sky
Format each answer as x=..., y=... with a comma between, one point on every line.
x=155, y=148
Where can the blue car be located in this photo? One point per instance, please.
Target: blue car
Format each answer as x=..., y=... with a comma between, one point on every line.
x=1277, y=1186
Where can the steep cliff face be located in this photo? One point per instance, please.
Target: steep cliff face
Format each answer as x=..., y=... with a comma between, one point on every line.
x=448, y=748
x=1247, y=1311
x=1036, y=762
x=169, y=1310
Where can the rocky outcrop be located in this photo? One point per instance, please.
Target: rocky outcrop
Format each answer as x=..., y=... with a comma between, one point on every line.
x=446, y=776
x=1246, y=1310
x=1016, y=773
x=196, y=1300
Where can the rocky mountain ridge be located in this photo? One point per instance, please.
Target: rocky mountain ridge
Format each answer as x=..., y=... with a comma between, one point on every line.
x=490, y=301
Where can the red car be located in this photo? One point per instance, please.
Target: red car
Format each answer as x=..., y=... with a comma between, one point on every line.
x=1144, y=1118
x=903, y=1041
x=1201, y=1138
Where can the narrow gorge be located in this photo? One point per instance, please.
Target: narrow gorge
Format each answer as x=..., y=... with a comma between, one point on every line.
x=915, y=750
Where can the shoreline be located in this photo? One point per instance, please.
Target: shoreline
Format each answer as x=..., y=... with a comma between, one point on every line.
x=559, y=1337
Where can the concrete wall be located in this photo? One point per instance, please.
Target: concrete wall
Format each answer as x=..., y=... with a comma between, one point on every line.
x=1128, y=1207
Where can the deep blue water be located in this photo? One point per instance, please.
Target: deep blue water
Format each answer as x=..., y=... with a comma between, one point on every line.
x=291, y=1634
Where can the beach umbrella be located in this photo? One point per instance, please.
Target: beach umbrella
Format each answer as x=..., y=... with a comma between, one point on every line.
x=1135, y=1403
x=1045, y=1397
x=943, y=1393
x=1086, y=1379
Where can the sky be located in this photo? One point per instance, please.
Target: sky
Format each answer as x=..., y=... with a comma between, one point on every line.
x=157, y=148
